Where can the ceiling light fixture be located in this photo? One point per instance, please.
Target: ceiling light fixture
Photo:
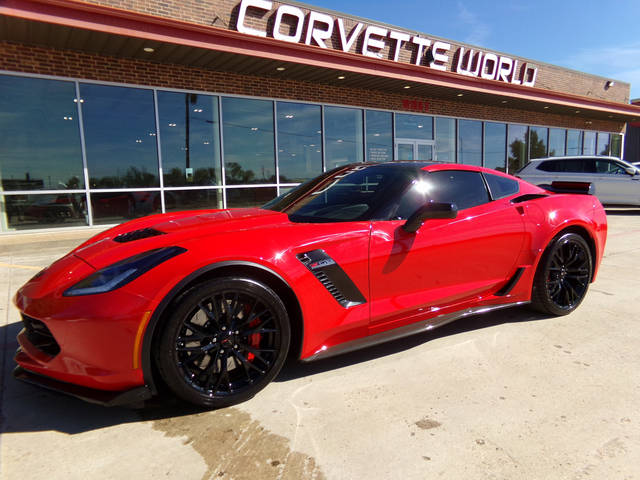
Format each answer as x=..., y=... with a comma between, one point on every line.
x=407, y=86
x=503, y=101
x=460, y=95
x=280, y=69
x=546, y=107
x=149, y=49
x=340, y=77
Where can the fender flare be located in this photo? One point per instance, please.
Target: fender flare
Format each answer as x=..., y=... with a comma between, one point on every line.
x=147, y=342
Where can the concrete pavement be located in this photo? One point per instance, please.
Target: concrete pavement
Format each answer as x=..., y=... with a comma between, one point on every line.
x=507, y=395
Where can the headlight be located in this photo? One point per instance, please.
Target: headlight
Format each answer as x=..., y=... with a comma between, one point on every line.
x=123, y=272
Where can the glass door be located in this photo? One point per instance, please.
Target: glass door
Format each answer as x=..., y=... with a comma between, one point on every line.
x=411, y=149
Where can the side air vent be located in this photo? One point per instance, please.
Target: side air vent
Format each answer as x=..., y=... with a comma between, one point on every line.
x=332, y=277
x=528, y=196
x=137, y=235
x=507, y=287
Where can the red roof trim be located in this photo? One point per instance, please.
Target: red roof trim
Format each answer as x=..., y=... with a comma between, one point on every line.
x=73, y=13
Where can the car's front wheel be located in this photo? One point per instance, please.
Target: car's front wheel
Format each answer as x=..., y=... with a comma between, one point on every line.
x=563, y=275
x=223, y=341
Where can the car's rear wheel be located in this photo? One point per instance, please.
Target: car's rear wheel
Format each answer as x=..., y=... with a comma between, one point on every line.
x=563, y=276
x=223, y=341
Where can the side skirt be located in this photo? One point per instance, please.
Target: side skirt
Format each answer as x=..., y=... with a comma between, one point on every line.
x=405, y=331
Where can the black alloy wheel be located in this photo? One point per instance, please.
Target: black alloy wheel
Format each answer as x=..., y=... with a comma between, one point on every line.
x=563, y=275
x=223, y=342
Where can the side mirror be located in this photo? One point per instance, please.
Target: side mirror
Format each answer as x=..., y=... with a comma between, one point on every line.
x=429, y=211
x=631, y=170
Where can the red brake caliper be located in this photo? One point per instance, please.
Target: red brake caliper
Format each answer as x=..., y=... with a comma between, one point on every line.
x=254, y=339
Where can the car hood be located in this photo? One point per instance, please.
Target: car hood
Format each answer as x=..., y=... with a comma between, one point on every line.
x=172, y=229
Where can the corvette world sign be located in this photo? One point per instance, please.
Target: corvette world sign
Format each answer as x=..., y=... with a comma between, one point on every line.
x=292, y=25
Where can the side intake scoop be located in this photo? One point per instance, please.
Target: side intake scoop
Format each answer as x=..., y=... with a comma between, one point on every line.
x=332, y=277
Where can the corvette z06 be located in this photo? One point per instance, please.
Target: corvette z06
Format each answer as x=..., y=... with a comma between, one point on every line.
x=211, y=303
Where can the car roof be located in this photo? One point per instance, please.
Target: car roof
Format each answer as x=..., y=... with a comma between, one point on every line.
x=576, y=157
x=430, y=166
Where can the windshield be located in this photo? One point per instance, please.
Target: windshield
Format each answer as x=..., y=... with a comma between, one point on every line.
x=351, y=193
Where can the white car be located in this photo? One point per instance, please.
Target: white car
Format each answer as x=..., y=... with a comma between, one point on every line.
x=614, y=181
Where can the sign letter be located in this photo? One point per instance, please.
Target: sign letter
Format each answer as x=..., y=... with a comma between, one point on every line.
x=347, y=42
x=492, y=60
x=261, y=4
x=318, y=34
x=399, y=38
x=441, y=58
x=421, y=42
x=294, y=12
x=373, y=42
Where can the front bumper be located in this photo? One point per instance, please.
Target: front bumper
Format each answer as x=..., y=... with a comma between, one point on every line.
x=100, y=397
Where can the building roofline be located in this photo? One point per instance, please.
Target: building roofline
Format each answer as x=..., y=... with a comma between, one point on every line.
x=89, y=16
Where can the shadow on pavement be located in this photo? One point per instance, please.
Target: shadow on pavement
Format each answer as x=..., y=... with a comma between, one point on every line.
x=295, y=369
x=27, y=408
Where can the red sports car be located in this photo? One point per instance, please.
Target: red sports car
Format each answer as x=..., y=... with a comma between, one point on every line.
x=210, y=303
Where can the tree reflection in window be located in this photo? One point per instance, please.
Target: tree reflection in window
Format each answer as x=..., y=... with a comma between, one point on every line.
x=248, y=138
x=518, y=148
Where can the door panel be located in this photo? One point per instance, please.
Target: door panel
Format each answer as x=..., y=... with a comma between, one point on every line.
x=444, y=263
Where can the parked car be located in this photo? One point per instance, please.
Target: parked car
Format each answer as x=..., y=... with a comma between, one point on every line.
x=210, y=303
x=614, y=181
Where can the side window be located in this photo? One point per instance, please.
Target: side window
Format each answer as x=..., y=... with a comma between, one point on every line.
x=501, y=187
x=577, y=165
x=465, y=189
x=609, y=167
x=549, y=166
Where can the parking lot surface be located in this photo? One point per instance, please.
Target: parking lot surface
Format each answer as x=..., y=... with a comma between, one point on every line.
x=511, y=394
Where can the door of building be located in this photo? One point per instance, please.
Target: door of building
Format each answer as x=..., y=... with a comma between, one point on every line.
x=412, y=149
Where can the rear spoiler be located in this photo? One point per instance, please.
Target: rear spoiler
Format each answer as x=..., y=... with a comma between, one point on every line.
x=581, y=188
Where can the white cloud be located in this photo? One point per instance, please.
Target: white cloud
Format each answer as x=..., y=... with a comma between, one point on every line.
x=477, y=31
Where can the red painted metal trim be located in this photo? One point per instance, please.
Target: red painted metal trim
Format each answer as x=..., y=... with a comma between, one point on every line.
x=76, y=14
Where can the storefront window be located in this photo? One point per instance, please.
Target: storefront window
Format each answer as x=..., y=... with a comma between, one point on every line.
x=589, y=145
x=249, y=197
x=616, y=145
x=470, y=142
x=603, y=143
x=39, y=135
x=248, y=141
x=417, y=127
x=343, y=136
x=495, y=141
x=119, y=132
x=118, y=207
x=446, y=139
x=538, y=142
x=25, y=212
x=195, y=199
x=190, y=139
x=379, y=136
x=574, y=142
x=517, y=147
x=299, y=141
x=557, y=139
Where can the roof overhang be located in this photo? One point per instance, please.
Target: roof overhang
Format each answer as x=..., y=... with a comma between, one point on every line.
x=70, y=24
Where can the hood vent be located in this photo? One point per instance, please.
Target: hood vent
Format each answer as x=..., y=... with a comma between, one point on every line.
x=137, y=235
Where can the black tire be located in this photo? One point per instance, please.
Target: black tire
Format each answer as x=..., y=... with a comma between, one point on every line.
x=223, y=341
x=563, y=275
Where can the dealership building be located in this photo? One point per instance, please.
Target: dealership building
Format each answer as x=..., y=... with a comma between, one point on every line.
x=114, y=109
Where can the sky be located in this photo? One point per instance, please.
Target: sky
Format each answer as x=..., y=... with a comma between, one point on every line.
x=589, y=36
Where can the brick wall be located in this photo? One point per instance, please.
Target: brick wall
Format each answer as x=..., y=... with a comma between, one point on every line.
x=65, y=63
x=224, y=13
